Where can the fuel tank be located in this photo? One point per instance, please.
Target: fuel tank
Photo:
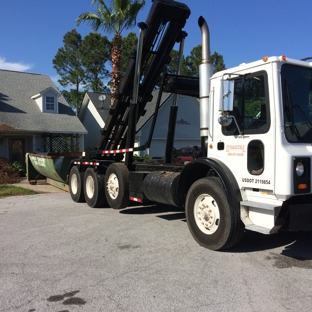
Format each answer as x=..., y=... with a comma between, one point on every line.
x=162, y=187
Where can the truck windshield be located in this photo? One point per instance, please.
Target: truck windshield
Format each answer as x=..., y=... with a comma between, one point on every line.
x=297, y=103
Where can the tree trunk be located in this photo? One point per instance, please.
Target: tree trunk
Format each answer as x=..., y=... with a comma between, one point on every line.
x=116, y=63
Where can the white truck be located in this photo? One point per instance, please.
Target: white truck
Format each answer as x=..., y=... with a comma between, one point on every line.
x=254, y=170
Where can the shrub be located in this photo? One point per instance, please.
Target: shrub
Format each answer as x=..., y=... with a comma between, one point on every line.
x=10, y=173
x=17, y=167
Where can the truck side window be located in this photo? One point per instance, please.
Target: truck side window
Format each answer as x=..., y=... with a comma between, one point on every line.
x=251, y=105
x=255, y=160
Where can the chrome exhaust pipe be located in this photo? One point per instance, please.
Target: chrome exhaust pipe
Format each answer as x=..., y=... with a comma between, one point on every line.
x=205, y=39
x=205, y=73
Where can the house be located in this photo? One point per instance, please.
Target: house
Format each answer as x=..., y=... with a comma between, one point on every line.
x=35, y=117
x=95, y=109
x=93, y=113
x=187, y=124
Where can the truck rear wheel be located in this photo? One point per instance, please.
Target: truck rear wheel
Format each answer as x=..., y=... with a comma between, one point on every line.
x=213, y=223
x=94, y=189
x=117, y=185
x=75, y=185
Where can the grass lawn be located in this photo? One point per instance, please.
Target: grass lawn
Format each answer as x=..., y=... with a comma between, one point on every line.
x=12, y=190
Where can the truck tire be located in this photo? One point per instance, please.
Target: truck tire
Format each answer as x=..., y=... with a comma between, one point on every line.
x=117, y=185
x=213, y=223
x=94, y=189
x=75, y=185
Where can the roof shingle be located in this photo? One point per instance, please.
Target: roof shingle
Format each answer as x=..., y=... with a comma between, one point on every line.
x=20, y=112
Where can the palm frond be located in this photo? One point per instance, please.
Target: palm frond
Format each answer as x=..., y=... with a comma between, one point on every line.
x=90, y=18
x=121, y=5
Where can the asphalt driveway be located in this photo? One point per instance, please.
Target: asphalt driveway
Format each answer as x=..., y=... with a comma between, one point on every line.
x=56, y=255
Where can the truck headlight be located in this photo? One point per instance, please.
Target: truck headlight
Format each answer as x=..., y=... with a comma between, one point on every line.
x=302, y=175
x=300, y=169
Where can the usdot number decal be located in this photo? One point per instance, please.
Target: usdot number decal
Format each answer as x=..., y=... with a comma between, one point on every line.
x=256, y=181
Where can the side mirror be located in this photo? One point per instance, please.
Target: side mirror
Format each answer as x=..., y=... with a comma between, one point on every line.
x=224, y=121
x=228, y=95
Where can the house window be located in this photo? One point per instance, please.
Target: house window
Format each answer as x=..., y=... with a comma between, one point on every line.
x=50, y=103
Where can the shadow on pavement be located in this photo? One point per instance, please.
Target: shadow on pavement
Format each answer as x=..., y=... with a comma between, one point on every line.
x=166, y=212
x=298, y=243
x=301, y=248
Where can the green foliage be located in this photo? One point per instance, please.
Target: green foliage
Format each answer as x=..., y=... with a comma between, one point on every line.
x=193, y=61
x=73, y=97
x=67, y=61
x=9, y=173
x=95, y=52
x=128, y=46
x=11, y=190
x=16, y=167
x=190, y=65
x=68, y=64
x=249, y=96
x=218, y=62
x=120, y=15
x=81, y=62
x=172, y=67
x=147, y=156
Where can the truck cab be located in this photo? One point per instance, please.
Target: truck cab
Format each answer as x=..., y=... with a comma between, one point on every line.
x=265, y=137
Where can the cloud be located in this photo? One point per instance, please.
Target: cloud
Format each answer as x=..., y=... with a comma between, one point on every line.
x=13, y=66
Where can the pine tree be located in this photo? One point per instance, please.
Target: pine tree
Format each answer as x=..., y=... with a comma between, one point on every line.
x=68, y=64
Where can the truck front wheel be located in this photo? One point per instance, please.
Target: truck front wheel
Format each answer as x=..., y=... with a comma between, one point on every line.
x=94, y=189
x=212, y=221
x=75, y=185
x=117, y=185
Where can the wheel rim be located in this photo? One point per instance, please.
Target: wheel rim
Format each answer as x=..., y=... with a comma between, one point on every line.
x=74, y=184
x=89, y=187
x=113, y=186
x=207, y=214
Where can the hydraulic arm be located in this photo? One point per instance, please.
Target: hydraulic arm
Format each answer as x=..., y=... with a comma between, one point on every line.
x=162, y=29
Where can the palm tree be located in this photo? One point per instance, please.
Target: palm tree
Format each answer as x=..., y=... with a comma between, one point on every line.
x=120, y=15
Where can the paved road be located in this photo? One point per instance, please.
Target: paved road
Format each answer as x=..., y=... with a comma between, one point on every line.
x=57, y=255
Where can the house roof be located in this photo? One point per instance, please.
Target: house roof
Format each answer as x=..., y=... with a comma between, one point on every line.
x=58, y=94
x=19, y=111
x=150, y=108
x=101, y=106
x=104, y=106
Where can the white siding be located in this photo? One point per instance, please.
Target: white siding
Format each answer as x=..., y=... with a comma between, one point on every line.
x=39, y=103
x=93, y=123
x=187, y=127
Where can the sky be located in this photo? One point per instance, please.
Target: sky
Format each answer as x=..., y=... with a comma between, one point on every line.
x=242, y=31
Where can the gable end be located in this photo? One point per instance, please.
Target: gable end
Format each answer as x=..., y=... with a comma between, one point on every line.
x=47, y=100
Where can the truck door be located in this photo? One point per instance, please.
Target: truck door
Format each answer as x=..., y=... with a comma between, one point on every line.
x=249, y=139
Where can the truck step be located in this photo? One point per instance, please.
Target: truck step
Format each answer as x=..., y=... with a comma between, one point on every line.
x=259, y=217
x=259, y=205
x=257, y=228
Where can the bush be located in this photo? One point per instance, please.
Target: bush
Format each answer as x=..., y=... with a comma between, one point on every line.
x=17, y=167
x=147, y=156
x=10, y=173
